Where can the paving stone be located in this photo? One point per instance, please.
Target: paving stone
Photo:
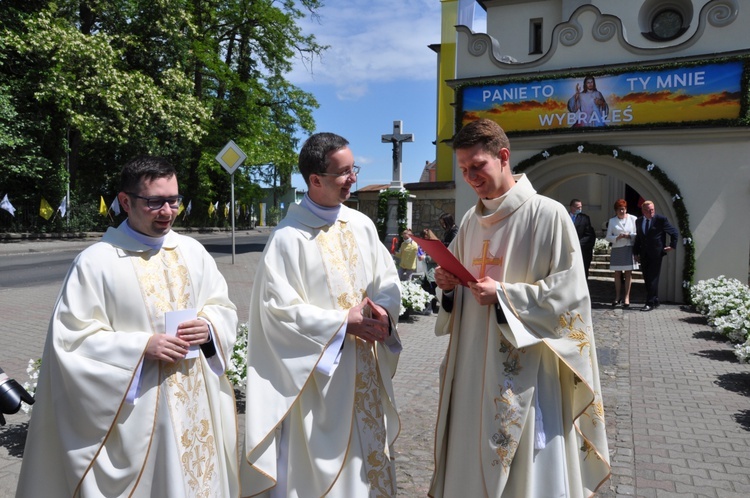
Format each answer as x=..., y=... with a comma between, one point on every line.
x=674, y=420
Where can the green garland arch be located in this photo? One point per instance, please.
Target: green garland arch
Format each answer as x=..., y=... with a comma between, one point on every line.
x=683, y=220
x=381, y=223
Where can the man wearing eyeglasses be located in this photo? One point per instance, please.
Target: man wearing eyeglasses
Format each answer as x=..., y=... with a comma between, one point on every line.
x=131, y=398
x=322, y=345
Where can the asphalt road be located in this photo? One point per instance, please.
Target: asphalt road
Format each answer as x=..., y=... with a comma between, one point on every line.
x=31, y=269
x=29, y=265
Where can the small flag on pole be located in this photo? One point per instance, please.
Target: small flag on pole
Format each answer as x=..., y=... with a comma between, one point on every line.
x=63, y=207
x=226, y=210
x=115, y=206
x=5, y=204
x=189, y=208
x=102, y=206
x=211, y=209
x=45, y=210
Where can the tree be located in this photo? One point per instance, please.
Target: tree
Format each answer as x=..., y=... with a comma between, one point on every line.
x=79, y=69
x=95, y=82
x=244, y=69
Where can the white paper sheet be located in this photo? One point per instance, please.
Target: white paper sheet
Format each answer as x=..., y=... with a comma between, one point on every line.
x=173, y=318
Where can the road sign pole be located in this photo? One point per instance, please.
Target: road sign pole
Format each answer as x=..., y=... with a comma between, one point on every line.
x=230, y=159
x=233, y=210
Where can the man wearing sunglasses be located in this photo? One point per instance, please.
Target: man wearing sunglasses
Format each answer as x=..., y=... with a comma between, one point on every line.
x=131, y=398
x=322, y=345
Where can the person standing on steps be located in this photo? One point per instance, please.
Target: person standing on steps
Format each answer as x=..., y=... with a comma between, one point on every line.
x=585, y=231
x=621, y=234
x=650, y=247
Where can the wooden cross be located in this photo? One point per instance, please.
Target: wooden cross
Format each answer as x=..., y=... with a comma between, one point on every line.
x=397, y=138
x=484, y=261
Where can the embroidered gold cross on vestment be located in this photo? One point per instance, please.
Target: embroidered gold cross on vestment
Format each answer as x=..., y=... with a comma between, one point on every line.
x=484, y=260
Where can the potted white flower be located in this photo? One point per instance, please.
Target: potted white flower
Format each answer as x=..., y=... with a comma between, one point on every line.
x=414, y=299
x=725, y=302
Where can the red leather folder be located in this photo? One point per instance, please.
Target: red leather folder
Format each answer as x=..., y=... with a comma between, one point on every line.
x=442, y=256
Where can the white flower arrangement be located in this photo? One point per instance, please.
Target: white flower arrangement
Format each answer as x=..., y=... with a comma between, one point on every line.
x=726, y=304
x=602, y=246
x=580, y=149
x=237, y=368
x=413, y=297
x=33, y=370
x=742, y=351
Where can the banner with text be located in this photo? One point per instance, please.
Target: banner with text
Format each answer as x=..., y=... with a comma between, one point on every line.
x=681, y=95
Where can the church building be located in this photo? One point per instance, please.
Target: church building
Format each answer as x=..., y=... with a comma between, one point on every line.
x=610, y=99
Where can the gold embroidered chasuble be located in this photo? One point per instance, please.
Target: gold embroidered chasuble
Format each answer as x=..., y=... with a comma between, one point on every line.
x=166, y=286
x=179, y=437
x=338, y=249
x=339, y=427
x=520, y=410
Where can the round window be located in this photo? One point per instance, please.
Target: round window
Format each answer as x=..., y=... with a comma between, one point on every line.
x=667, y=24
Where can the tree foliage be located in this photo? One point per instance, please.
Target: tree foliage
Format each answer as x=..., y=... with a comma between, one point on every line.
x=85, y=85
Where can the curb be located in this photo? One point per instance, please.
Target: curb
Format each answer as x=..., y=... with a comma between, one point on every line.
x=11, y=237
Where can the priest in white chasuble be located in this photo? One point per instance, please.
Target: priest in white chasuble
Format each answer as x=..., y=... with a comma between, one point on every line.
x=130, y=400
x=521, y=412
x=322, y=346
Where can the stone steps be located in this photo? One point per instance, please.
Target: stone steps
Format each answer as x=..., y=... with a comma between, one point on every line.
x=599, y=270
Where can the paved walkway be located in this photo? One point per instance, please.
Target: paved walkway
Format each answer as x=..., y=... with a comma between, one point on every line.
x=677, y=401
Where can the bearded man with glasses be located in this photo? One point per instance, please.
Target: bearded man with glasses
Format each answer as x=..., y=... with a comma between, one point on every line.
x=132, y=400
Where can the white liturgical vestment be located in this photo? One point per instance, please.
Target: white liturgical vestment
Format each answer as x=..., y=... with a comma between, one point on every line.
x=177, y=436
x=520, y=413
x=320, y=413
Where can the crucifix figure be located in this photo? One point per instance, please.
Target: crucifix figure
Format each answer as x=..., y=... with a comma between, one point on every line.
x=397, y=138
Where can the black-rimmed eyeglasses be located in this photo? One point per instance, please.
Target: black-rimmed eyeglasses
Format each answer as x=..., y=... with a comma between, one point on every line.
x=155, y=203
x=354, y=171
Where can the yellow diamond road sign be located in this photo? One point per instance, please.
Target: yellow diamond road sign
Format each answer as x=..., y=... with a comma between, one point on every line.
x=231, y=157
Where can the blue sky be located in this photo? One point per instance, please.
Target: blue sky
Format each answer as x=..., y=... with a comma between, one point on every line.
x=377, y=70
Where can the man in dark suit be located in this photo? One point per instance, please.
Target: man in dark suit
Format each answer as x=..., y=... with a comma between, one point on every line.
x=650, y=246
x=585, y=231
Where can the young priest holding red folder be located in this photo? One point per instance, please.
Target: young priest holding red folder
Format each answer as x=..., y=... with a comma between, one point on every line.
x=521, y=412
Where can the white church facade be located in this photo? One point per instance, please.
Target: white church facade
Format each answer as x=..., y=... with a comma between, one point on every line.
x=667, y=119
